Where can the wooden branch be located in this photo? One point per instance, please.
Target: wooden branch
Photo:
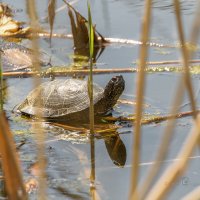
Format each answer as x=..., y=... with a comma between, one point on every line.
x=157, y=119
x=66, y=72
x=170, y=62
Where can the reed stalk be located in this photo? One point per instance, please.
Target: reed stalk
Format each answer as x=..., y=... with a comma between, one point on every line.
x=139, y=100
x=153, y=119
x=10, y=163
x=185, y=56
x=90, y=80
x=193, y=195
x=175, y=170
x=1, y=110
x=64, y=71
x=1, y=85
x=40, y=136
x=90, y=91
x=168, y=132
x=170, y=62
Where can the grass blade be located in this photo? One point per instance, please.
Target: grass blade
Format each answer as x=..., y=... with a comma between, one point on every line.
x=90, y=91
x=91, y=32
x=90, y=80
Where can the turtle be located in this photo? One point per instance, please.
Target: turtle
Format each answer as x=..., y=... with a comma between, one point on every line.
x=65, y=100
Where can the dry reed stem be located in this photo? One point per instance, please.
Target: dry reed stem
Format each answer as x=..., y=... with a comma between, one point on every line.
x=167, y=135
x=175, y=170
x=139, y=100
x=169, y=62
x=153, y=119
x=164, y=144
x=193, y=195
x=196, y=28
x=63, y=72
x=66, y=72
x=1, y=85
x=10, y=163
x=40, y=136
x=195, y=31
x=185, y=56
x=162, y=151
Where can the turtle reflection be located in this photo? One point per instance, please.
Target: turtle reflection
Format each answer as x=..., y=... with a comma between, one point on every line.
x=108, y=132
x=116, y=150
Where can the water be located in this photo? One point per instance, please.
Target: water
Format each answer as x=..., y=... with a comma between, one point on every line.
x=68, y=153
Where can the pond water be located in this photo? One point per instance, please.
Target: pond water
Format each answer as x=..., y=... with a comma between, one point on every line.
x=68, y=152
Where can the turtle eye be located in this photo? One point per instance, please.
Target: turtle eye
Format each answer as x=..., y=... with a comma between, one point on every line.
x=114, y=79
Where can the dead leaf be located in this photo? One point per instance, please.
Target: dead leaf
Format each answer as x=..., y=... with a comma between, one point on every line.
x=9, y=26
x=31, y=185
x=79, y=26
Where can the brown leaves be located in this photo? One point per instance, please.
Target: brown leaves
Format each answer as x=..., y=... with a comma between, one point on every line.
x=79, y=26
x=5, y=10
x=9, y=26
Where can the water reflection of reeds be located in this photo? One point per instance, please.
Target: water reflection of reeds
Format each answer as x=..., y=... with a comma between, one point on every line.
x=113, y=143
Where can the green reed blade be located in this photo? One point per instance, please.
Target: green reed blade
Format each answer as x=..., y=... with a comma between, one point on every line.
x=91, y=32
x=90, y=80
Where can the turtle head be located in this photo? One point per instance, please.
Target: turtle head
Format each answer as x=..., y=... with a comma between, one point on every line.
x=113, y=90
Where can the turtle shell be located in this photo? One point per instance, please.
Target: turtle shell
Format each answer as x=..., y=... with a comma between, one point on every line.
x=59, y=98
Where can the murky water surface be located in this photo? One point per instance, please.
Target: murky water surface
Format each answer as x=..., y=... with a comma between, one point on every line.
x=68, y=152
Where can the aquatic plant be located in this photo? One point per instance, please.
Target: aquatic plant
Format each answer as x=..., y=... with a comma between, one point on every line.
x=90, y=79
